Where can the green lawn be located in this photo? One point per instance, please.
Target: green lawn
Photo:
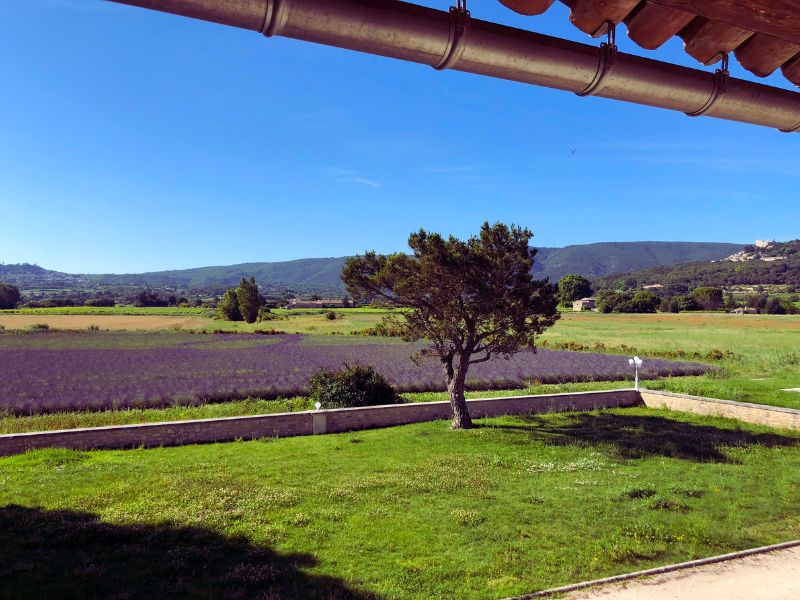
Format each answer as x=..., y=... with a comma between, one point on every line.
x=421, y=511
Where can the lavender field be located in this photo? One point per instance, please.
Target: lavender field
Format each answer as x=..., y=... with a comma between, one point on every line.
x=53, y=372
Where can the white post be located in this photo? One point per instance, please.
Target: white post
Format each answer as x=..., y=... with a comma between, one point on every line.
x=635, y=362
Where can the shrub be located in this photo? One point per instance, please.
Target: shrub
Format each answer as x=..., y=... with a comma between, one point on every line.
x=265, y=314
x=9, y=296
x=148, y=298
x=775, y=307
x=330, y=315
x=356, y=385
x=710, y=298
x=100, y=301
x=670, y=305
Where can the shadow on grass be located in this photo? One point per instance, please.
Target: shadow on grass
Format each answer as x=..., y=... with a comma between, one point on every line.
x=68, y=554
x=633, y=436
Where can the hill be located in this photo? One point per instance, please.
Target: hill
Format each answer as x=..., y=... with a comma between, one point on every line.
x=321, y=275
x=779, y=264
x=28, y=276
x=306, y=275
x=603, y=258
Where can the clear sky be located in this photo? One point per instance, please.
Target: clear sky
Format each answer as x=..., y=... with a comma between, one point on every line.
x=132, y=140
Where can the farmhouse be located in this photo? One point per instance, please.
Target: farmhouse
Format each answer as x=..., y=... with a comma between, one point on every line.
x=584, y=304
x=744, y=311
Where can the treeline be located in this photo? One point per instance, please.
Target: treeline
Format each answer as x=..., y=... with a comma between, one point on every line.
x=673, y=298
x=706, y=298
x=11, y=298
x=785, y=271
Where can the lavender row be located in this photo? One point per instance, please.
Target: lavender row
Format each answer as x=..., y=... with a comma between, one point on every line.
x=97, y=372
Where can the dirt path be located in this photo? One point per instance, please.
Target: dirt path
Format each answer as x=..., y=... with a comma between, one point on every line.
x=770, y=576
x=110, y=322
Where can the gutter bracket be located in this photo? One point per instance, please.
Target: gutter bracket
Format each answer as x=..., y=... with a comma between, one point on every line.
x=459, y=20
x=274, y=17
x=721, y=77
x=608, y=55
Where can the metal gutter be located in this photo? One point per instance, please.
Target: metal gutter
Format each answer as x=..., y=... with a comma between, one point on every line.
x=457, y=41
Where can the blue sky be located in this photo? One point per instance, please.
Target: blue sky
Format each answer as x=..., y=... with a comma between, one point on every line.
x=132, y=140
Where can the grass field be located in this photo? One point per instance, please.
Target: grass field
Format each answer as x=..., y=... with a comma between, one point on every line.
x=131, y=318
x=420, y=511
x=110, y=310
x=108, y=322
x=766, y=349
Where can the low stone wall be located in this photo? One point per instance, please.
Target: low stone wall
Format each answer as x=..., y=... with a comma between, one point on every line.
x=761, y=414
x=177, y=433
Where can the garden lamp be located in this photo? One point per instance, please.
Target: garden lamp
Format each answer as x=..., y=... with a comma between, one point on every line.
x=635, y=362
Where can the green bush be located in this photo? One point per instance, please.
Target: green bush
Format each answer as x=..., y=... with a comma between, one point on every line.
x=9, y=296
x=229, y=306
x=356, y=385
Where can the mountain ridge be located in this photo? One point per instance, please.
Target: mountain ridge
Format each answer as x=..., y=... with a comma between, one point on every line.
x=321, y=275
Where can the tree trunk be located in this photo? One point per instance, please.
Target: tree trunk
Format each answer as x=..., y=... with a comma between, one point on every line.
x=456, y=376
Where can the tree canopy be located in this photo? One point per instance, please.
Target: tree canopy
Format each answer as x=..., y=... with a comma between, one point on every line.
x=573, y=287
x=9, y=296
x=471, y=300
x=249, y=299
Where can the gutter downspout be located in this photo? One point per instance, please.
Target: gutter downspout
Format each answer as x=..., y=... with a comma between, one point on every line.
x=436, y=38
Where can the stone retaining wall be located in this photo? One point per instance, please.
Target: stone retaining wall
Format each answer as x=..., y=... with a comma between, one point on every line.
x=761, y=414
x=177, y=433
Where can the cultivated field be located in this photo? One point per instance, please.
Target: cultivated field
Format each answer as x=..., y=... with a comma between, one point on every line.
x=68, y=371
x=104, y=322
x=756, y=358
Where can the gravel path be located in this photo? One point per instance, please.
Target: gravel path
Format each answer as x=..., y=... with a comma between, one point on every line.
x=770, y=576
